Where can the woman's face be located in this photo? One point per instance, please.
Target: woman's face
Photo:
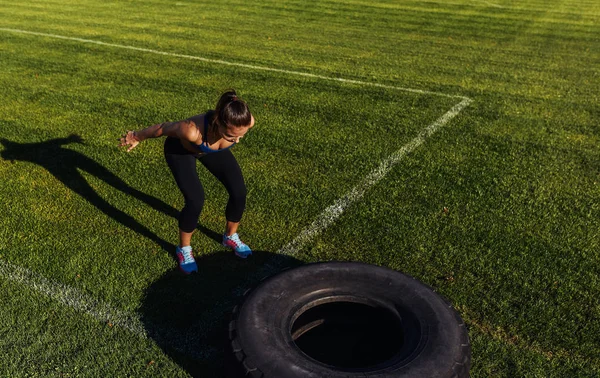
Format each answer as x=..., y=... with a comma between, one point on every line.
x=234, y=134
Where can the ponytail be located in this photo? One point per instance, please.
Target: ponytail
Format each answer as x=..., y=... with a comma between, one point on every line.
x=231, y=111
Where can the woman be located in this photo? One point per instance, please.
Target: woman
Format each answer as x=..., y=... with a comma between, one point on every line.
x=207, y=138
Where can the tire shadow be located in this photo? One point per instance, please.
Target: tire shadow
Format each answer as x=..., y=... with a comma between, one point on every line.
x=187, y=316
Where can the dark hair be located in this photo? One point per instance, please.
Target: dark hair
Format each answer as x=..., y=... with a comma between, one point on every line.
x=231, y=111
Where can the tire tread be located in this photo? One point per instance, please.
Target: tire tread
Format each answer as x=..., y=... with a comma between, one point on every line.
x=249, y=368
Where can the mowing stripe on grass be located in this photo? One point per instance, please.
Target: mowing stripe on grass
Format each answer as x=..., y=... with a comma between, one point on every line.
x=104, y=313
x=217, y=61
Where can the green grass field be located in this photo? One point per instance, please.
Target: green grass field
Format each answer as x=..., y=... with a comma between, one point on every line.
x=498, y=210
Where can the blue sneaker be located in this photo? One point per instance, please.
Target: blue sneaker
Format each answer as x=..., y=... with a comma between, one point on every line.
x=239, y=247
x=185, y=257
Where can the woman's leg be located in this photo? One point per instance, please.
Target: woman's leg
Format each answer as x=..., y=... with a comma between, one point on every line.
x=185, y=238
x=183, y=166
x=231, y=228
x=226, y=169
x=184, y=171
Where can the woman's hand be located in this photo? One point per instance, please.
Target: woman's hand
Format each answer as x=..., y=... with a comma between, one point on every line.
x=129, y=139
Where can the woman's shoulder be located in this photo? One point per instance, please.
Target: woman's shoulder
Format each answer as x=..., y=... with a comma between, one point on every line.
x=195, y=126
x=199, y=120
x=190, y=128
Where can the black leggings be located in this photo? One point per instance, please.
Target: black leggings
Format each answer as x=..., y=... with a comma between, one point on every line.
x=221, y=164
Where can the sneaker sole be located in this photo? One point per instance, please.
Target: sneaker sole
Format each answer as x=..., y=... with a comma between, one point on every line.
x=237, y=254
x=243, y=256
x=186, y=272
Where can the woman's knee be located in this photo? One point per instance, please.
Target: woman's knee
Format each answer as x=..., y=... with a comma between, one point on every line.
x=188, y=218
x=238, y=195
x=194, y=206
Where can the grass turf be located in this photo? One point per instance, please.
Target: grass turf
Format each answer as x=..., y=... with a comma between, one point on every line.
x=498, y=210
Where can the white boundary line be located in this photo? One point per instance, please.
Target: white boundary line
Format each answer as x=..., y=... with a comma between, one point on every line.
x=217, y=61
x=490, y=4
x=334, y=211
x=105, y=313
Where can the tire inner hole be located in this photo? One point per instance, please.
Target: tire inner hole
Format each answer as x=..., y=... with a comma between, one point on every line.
x=348, y=335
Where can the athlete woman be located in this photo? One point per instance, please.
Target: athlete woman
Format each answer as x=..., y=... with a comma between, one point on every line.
x=207, y=138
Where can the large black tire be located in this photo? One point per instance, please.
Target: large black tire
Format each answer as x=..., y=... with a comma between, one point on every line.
x=346, y=319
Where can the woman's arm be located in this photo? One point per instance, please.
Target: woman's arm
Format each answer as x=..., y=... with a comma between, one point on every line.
x=185, y=130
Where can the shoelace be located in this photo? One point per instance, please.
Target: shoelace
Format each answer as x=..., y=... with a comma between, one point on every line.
x=187, y=256
x=236, y=239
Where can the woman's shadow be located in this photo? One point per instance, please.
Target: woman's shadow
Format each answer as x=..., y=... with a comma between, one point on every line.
x=64, y=164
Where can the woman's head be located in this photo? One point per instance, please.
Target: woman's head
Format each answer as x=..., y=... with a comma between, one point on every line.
x=232, y=118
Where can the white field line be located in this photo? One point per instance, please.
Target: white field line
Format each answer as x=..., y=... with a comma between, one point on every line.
x=189, y=345
x=490, y=4
x=104, y=313
x=334, y=211
x=217, y=61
